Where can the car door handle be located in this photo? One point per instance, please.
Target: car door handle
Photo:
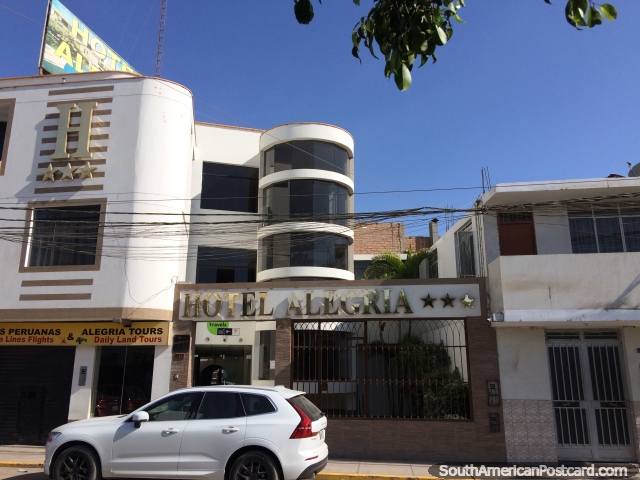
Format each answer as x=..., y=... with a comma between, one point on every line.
x=170, y=431
x=230, y=430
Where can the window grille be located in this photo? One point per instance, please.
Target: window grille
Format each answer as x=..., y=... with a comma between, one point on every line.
x=384, y=369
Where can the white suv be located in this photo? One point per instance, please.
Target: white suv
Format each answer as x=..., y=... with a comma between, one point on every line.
x=220, y=432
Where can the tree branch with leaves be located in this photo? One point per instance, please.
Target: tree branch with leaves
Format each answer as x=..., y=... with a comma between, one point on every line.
x=407, y=32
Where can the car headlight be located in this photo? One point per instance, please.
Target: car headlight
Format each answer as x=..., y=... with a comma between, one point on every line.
x=53, y=436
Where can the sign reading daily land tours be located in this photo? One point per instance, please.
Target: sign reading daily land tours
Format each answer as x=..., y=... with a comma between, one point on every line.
x=71, y=47
x=136, y=334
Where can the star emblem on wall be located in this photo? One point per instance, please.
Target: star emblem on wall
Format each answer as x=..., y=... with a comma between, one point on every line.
x=448, y=301
x=428, y=301
x=467, y=301
x=68, y=171
x=49, y=174
x=87, y=170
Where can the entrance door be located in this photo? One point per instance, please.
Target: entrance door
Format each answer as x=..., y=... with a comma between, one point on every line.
x=589, y=397
x=223, y=365
x=516, y=233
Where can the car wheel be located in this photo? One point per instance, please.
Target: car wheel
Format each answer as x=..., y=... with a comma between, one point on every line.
x=254, y=466
x=76, y=463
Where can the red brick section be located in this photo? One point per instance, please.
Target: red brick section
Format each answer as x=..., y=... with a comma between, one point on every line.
x=419, y=440
x=374, y=238
x=418, y=243
x=181, y=366
x=283, y=352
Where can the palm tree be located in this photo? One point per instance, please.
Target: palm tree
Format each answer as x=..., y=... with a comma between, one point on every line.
x=389, y=265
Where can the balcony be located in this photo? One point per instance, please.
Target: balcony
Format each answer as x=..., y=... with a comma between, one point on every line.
x=576, y=287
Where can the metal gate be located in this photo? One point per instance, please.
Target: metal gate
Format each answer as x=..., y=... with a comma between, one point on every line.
x=590, y=403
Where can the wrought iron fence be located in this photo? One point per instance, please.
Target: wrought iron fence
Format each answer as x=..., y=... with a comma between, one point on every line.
x=386, y=368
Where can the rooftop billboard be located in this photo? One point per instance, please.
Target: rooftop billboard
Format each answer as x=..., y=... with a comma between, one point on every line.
x=71, y=47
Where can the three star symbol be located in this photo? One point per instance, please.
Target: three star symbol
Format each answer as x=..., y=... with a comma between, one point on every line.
x=68, y=172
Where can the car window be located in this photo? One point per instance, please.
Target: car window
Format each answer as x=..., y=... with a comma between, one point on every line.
x=177, y=407
x=220, y=405
x=257, y=404
x=307, y=406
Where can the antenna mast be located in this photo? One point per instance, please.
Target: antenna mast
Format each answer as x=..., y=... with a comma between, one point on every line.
x=159, y=49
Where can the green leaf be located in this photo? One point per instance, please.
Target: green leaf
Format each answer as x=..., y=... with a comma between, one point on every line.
x=573, y=15
x=304, y=11
x=441, y=35
x=403, y=79
x=609, y=11
x=581, y=6
x=594, y=17
x=354, y=52
x=458, y=19
x=357, y=2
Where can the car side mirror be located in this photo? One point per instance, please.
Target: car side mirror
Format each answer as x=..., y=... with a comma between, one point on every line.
x=138, y=417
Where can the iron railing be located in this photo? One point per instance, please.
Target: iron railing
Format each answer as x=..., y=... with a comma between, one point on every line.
x=386, y=368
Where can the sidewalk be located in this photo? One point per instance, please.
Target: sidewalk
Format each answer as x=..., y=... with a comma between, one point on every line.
x=33, y=457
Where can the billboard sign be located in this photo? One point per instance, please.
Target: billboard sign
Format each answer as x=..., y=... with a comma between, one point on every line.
x=71, y=47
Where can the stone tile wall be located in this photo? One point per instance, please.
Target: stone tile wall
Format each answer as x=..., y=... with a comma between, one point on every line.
x=530, y=431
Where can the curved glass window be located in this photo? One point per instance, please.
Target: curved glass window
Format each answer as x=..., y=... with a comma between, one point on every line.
x=313, y=200
x=305, y=250
x=305, y=154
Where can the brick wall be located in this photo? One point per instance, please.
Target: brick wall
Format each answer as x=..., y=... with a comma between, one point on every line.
x=418, y=243
x=374, y=238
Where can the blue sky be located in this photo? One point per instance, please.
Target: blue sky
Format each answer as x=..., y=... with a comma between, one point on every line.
x=516, y=89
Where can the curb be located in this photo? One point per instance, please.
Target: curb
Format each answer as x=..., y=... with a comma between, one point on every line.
x=22, y=464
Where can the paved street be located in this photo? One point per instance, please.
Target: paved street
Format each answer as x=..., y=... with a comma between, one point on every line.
x=22, y=473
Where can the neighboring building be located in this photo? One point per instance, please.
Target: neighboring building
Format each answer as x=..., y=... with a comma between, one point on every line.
x=373, y=238
x=562, y=261
x=145, y=252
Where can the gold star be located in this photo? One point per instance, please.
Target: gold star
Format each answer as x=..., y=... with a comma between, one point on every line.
x=67, y=172
x=87, y=170
x=467, y=301
x=448, y=301
x=428, y=301
x=49, y=174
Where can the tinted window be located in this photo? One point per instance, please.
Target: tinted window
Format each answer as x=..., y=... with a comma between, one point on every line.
x=220, y=405
x=305, y=250
x=305, y=154
x=310, y=410
x=229, y=187
x=6, y=114
x=359, y=266
x=257, y=404
x=64, y=236
x=315, y=200
x=225, y=265
x=181, y=406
